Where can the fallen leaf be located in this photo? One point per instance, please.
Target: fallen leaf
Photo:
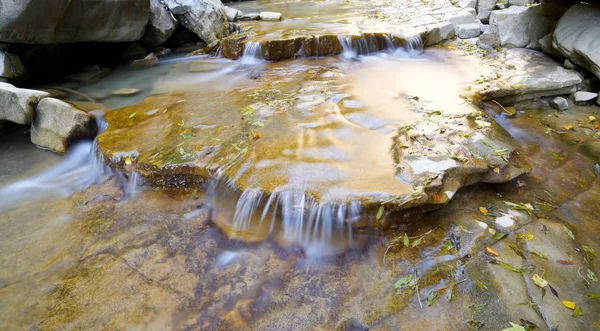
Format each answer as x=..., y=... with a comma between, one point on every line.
x=553, y=290
x=526, y=236
x=539, y=281
x=577, y=312
x=590, y=253
x=569, y=232
x=477, y=307
x=379, y=212
x=539, y=254
x=591, y=275
x=492, y=252
x=592, y=296
x=475, y=324
x=483, y=210
x=417, y=242
x=505, y=265
x=404, y=282
x=514, y=327
x=128, y=161
x=431, y=299
x=500, y=235
x=406, y=241
x=569, y=304
x=567, y=262
x=568, y=127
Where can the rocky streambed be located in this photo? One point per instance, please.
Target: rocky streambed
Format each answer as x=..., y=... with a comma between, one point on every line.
x=315, y=169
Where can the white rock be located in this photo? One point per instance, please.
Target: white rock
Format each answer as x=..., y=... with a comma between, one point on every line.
x=232, y=13
x=570, y=65
x=249, y=17
x=467, y=3
x=11, y=66
x=577, y=36
x=484, y=27
x=206, y=18
x=519, y=2
x=484, y=8
x=520, y=27
x=270, y=16
x=465, y=16
x=546, y=46
x=17, y=105
x=559, y=103
x=583, y=97
x=58, y=124
x=161, y=25
x=436, y=33
x=466, y=31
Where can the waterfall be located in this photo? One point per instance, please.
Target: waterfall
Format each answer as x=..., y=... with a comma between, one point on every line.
x=252, y=54
x=348, y=51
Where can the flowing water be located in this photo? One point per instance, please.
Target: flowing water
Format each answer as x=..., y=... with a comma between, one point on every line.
x=278, y=231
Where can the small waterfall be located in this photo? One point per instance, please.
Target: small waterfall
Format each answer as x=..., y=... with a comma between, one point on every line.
x=348, y=51
x=252, y=54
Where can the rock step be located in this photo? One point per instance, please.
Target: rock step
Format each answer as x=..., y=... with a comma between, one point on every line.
x=234, y=47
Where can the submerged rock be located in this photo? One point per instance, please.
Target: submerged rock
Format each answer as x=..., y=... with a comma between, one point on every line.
x=206, y=18
x=17, y=105
x=270, y=16
x=576, y=36
x=58, y=124
x=559, y=103
x=161, y=26
x=527, y=74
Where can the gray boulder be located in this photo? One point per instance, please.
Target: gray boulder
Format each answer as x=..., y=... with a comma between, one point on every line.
x=206, y=18
x=161, y=25
x=547, y=47
x=577, y=36
x=467, y=31
x=484, y=9
x=438, y=32
x=270, y=16
x=58, y=124
x=559, y=103
x=11, y=66
x=70, y=21
x=583, y=97
x=521, y=27
x=232, y=14
x=17, y=105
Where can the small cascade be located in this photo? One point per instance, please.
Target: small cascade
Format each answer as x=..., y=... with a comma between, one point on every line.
x=348, y=51
x=252, y=54
x=369, y=43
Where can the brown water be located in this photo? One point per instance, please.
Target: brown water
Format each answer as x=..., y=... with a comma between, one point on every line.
x=85, y=247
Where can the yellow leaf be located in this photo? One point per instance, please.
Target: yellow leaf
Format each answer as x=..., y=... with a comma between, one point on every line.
x=483, y=210
x=539, y=281
x=568, y=127
x=569, y=304
x=128, y=161
x=452, y=47
x=491, y=251
x=526, y=236
x=592, y=118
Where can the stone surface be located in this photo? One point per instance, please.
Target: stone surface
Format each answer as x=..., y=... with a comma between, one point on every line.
x=439, y=32
x=11, y=66
x=519, y=26
x=520, y=2
x=161, y=24
x=270, y=16
x=467, y=3
x=576, y=36
x=559, y=103
x=464, y=16
x=484, y=8
x=584, y=97
x=232, y=13
x=250, y=17
x=570, y=65
x=49, y=22
x=547, y=47
x=206, y=18
x=58, y=124
x=17, y=105
x=467, y=31
x=527, y=74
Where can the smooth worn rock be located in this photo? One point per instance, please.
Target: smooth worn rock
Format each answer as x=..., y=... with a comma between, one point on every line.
x=161, y=25
x=582, y=97
x=11, y=66
x=51, y=22
x=17, y=105
x=232, y=13
x=559, y=103
x=88, y=77
x=521, y=27
x=206, y=18
x=484, y=8
x=250, y=17
x=576, y=36
x=527, y=74
x=148, y=59
x=58, y=124
x=467, y=31
x=438, y=32
x=547, y=47
x=270, y=16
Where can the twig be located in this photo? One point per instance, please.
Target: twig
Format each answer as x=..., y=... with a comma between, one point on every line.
x=496, y=102
x=582, y=276
x=384, y=254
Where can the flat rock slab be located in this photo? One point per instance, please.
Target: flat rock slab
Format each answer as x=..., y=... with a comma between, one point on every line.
x=311, y=133
x=17, y=105
x=521, y=74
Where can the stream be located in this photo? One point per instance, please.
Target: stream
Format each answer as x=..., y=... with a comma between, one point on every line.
x=279, y=195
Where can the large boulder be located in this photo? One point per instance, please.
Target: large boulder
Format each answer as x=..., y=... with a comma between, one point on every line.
x=58, y=124
x=484, y=9
x=70, y=21
x=161, y=25
x=11, y=66
x=518, y=26
x=577, y=36
x=17, y=104
x=206, y=18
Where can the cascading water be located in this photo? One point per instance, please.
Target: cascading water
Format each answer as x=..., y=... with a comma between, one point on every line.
x=252, y=54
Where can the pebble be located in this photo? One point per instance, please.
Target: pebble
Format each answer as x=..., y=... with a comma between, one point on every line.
x=559, y=103
x=125, y=91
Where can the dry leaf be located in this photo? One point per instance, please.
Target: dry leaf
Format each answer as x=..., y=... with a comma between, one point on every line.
x=567, y=262
x=539, y=281
x=569, y=304
x=568, y=127
x=491, y=251
x=483, y=210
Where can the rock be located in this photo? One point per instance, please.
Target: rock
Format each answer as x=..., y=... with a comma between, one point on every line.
x=55, y=93
x=162, y=51
x=484, y=8
x=570, y=65
x=206, y=18
x=589, y=84
x=576, y=36
x=58, y=124
x=11, y=66
x=528, y=74
x=438, y=32
x=134, y=51
x=125, y=91
x=546, y=46
x=464, y=16
x=52, y=22
x=519, y=2
x=582, y=97
x=161, y=25
x=250, y=17
x=466, y=31
x=519, y=26
x=148, y=59
x=559, y=103
x=270, y=16
x=489, y=38
x=88, y=77
x=484, y=27
x=17, y=105
x=467, y=3
x=592, y=148
x=232, y=13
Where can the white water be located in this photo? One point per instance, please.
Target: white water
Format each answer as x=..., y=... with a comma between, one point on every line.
x=252, y=54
